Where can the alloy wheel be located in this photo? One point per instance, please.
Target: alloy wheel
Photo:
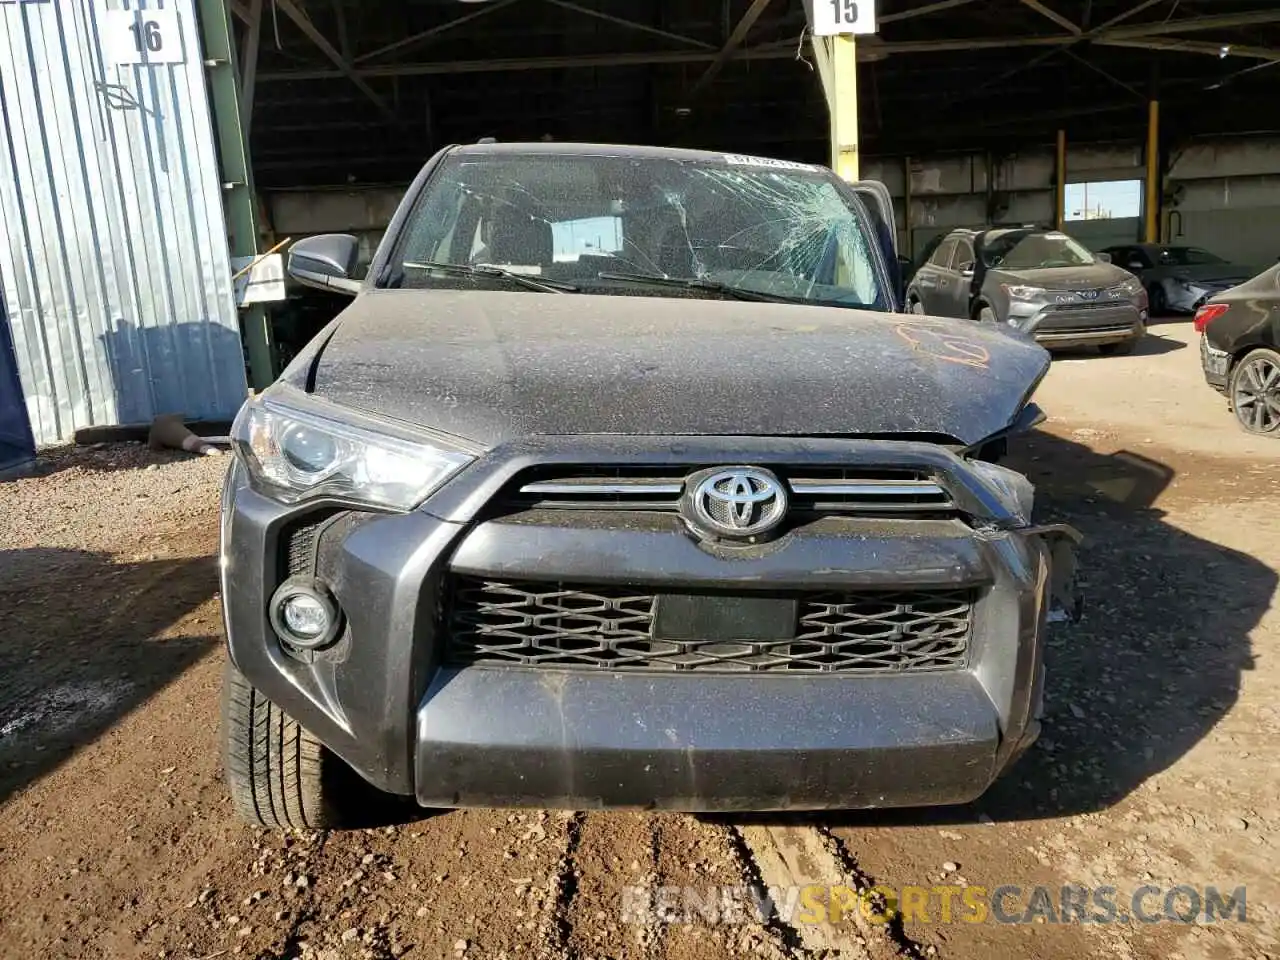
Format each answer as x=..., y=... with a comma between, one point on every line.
x=1256, y=393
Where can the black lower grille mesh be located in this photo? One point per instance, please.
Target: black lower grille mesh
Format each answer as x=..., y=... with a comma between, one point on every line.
x=610, y=628
x=300, y=540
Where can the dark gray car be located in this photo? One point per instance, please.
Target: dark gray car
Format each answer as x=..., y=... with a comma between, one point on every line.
x=621, y=484
x=1039, y=282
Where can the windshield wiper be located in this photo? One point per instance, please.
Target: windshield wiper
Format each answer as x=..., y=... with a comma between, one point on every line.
x=704, y=283
x=489, y=270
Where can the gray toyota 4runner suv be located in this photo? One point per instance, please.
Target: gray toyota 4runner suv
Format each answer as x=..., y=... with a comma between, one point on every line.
x=622, y=482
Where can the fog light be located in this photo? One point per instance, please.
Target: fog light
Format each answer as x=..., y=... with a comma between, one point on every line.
x=304, y=615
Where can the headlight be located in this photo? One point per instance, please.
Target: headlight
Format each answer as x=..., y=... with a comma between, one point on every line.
x=1019, y=292
x=1130, y=288
x=1015, y=491
x=298, y=454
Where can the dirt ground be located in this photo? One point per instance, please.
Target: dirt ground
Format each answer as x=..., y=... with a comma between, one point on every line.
x=1158, y=765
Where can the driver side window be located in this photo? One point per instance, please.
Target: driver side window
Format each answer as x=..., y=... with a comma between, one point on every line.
x=963, y=259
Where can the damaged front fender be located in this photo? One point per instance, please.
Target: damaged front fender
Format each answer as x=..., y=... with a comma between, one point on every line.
x=1066, y=602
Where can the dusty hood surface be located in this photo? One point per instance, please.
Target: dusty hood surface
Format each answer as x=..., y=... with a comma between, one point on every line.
x=1063, y=278
x=496, y=366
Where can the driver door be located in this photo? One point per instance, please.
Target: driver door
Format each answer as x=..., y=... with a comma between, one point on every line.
x=959, y=295
x=879, y=203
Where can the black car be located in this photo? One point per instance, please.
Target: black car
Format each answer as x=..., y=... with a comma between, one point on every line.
x=1039, y=282
x=621, y=483
x=1178, y=278
x=1240, y=350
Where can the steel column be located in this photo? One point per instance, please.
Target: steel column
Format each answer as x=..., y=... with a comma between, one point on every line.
x=239, y=196
x=842, y=102
x=1060, y=164
x=1152, y=209
x=249, y=65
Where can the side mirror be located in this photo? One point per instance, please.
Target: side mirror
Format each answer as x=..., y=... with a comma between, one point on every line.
x=966, y=270
x=1136, y=266
x=326, y=262
x=1103, y=257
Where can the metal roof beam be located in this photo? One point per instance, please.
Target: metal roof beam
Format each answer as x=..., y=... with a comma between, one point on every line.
x=484, y=11
x=1119, y=18
x=291, y=10
x=1103, y=73
x=1192, y=46
x=1190, y=24
x=1053, y=15
x=736, y=39
x=591, y=61
x=654, y=58
x=928, y=8
x=630, y=24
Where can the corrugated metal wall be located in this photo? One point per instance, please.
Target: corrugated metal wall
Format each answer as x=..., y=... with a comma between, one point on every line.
x=1228, y=193
x=115, y=267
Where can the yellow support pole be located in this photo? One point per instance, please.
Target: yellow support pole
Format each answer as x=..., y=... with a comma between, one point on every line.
x=842, y=104
x=1060, y=213
x=1153, y=172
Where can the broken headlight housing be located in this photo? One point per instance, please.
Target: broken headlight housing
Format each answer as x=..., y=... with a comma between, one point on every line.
x=306, y=449
x=1127, y=290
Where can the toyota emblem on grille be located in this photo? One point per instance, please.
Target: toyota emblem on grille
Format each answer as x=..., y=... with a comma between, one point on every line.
x=1089, y=294
x=736, y=502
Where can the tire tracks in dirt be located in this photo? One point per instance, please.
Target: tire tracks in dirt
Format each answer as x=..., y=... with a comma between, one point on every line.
x=788, y=854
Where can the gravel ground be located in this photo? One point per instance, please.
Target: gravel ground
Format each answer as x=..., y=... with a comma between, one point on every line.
x=1158, y=764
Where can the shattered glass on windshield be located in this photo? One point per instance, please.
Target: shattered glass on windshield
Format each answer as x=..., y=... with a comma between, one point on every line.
x=636, y=224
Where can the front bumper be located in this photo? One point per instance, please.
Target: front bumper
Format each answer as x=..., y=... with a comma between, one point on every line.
x=1190, y=297
x=388, y=702
x=1082, y=326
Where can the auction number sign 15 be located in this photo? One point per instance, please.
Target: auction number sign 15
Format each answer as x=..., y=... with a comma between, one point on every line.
x=141, y=36
x=831, y=17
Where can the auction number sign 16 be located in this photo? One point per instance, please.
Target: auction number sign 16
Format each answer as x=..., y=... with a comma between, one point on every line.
x=141, y=36
x=832, y=17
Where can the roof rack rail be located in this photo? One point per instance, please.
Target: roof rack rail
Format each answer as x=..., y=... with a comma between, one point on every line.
x=487, y=140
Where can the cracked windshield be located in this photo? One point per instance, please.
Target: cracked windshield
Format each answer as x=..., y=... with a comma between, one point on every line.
x=652, y=227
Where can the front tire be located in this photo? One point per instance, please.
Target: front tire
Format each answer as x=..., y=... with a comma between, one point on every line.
x=280, y=776
x=1255, y=392
x=1156, y=303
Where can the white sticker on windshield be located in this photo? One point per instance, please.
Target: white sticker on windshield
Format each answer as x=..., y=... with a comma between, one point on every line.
x=739, y=160
x=1056, y=236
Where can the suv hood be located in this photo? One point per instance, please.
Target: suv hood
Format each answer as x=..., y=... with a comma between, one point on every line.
x=1064, y=278
x=498, y=366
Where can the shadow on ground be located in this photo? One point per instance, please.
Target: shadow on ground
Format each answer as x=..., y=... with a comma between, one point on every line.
x=1152, y=345
x=81, y=647
x=1155, y=664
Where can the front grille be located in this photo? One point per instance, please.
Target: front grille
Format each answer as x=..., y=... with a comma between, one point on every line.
x=611, y=628
x=846, y=491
